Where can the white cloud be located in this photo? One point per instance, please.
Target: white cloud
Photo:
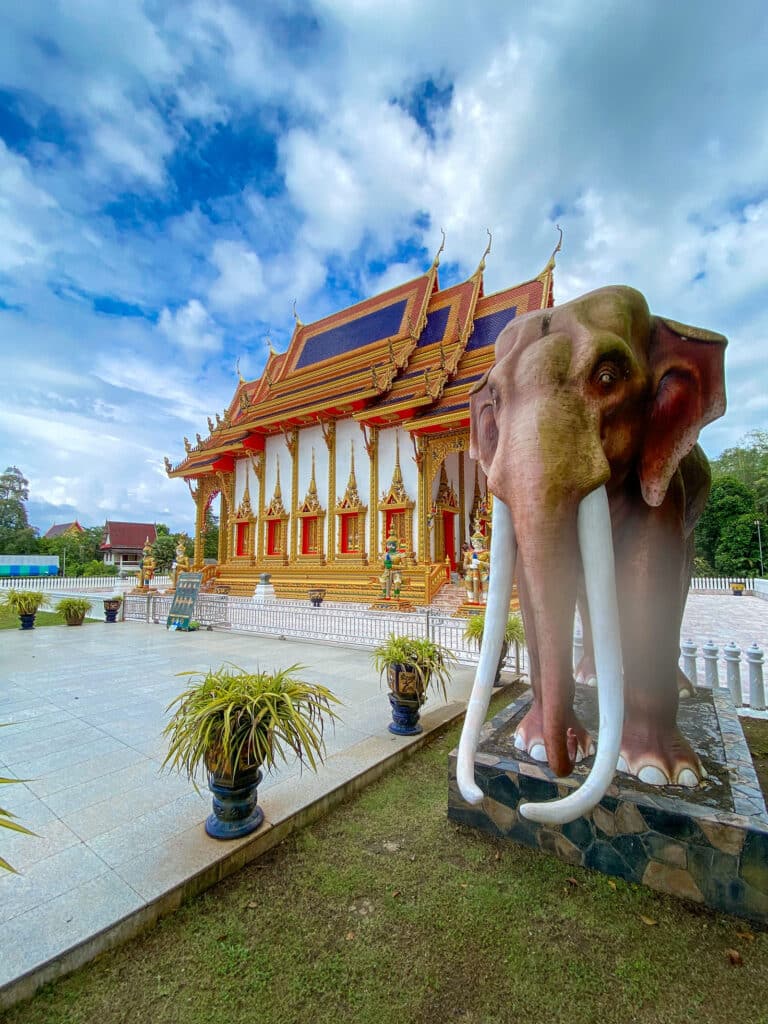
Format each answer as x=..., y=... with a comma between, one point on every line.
x=241, y=277
x=191, y=327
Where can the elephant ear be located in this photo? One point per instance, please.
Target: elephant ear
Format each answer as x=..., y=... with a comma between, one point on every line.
x=687, y=366
x=483, y=433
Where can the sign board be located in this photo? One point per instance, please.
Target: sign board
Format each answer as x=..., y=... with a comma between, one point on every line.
x=183, y=607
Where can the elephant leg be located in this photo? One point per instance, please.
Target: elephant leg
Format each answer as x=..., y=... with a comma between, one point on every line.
x=649, y=573
x=529, y=735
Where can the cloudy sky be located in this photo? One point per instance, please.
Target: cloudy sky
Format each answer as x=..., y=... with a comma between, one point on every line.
x=174, y=175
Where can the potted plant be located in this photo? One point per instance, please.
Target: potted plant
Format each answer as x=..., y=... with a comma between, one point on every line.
x=74, y=609
x=236, y=723
x=112, y=607
x=514, y=633
x=411, y=665
x=316, y=595
x=737, y=589
x=25, y=603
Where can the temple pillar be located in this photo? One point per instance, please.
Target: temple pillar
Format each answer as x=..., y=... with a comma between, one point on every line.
x=421, y=459
x=292, y=444
x=258, y=462
x=462, y=502
x=329, y=435
x=372, y=448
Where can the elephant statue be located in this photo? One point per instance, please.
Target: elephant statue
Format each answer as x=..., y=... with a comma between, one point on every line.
x=586, y=428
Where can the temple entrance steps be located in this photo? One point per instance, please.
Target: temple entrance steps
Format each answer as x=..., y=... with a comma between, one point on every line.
x=449, y=598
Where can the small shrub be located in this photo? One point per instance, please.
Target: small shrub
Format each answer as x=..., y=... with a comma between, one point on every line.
x=24, y=602
x=74, y=609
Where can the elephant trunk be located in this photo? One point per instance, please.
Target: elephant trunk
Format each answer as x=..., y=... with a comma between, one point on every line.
x=595, y=541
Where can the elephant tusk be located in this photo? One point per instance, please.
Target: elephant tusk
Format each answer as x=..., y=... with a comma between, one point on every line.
x=503, y=556
x=595, y=542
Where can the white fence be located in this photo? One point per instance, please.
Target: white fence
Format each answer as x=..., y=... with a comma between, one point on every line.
x=354, y=625
x=721, y=583
x=76, y=583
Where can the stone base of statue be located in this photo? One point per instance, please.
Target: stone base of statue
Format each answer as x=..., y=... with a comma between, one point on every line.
x=264, y=590
x=708, y=844
x=393, y=604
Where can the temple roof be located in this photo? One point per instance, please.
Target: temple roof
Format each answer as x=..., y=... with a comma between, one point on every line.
x=409, y=356
x=127, y=535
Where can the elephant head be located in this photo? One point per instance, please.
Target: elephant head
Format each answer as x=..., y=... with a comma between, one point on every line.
x=590, y=406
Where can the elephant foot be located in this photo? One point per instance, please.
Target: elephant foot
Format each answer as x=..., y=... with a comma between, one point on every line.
x=585, y=673
x=529, y=736
x=685, y=687
x=659, y=758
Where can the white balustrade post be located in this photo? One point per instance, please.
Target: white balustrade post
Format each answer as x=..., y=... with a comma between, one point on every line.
x=732, y=655
x=756, y=686
x=688, y=650
x=709, y=653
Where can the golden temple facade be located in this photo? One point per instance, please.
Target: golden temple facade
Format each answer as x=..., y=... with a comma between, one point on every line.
x=357, y=432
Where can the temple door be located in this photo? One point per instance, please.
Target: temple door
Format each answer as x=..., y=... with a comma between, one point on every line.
x=449, y=537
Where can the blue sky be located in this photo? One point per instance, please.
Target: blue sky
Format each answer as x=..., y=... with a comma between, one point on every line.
x=174, y=175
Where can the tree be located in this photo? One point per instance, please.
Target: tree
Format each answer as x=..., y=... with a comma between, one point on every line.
x=747, y=462
x=211, y=536
x=738, y=549
x=17, y=537
x=164, y=552
x=729, y=499
x=76, y=549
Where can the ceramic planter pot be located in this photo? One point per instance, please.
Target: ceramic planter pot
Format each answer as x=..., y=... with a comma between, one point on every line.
x=111, y=608
x=316, y=595
x=74, y=620
x=235, y=809
x=27, y=621
x=406, y=695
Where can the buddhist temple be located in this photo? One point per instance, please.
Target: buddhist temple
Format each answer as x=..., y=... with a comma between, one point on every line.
x=358, y=432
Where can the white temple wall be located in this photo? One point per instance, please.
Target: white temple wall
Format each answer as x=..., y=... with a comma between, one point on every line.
x=274, y=452
x=348, y=431
x=387, y=449
x=312, y=438
x=244, y=471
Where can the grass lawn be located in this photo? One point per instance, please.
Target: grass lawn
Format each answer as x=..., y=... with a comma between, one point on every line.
x=10, y=620
x=385, y=911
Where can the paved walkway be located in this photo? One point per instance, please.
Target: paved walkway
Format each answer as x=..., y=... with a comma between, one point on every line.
x=120, y=843
x=117, y=840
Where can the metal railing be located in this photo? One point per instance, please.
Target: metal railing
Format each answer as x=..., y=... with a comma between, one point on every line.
x=77, y=582
x=351, y=625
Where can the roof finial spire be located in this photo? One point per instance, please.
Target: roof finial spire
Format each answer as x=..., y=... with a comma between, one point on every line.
x=296, y=315
x=240, y=378
x=551, y=262
x=481, y=264
x=436, y=260
x=270, y=347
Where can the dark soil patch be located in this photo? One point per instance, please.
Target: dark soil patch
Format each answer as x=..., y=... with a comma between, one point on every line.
x=756, y=733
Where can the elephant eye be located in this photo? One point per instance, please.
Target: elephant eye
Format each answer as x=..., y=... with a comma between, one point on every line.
x=607, y=375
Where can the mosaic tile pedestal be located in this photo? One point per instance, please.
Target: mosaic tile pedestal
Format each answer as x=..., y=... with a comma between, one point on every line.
x=709, y=845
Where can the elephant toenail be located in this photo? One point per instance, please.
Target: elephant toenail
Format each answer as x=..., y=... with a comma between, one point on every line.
x=687, y=778
x=538, y=752
x=652, y=775
x=621, y=765
x=519, y=742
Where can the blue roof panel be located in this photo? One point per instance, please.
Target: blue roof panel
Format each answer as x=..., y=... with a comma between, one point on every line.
x=488, y=328
x=356, y=334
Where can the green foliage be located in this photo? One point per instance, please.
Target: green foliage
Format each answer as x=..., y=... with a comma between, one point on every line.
x=738, y=547
x=211, y=536
x=7, y=820
x=430, y=660
x=78, y=550
x=747, y=463
x=728, y=499
x=513, y=631
x=24, y=602
x=231, y=718
x=96, y=568
x=74, y=609
x=17, y=537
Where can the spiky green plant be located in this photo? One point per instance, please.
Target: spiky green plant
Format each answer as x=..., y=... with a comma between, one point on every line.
x=430, y=660
x=74, y=609
x=514, y=633
x=230, y=719
x=24, y=602
x=8, y=820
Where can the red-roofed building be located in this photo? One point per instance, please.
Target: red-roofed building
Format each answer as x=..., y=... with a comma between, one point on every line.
x=359, y=431
x=123, y=544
